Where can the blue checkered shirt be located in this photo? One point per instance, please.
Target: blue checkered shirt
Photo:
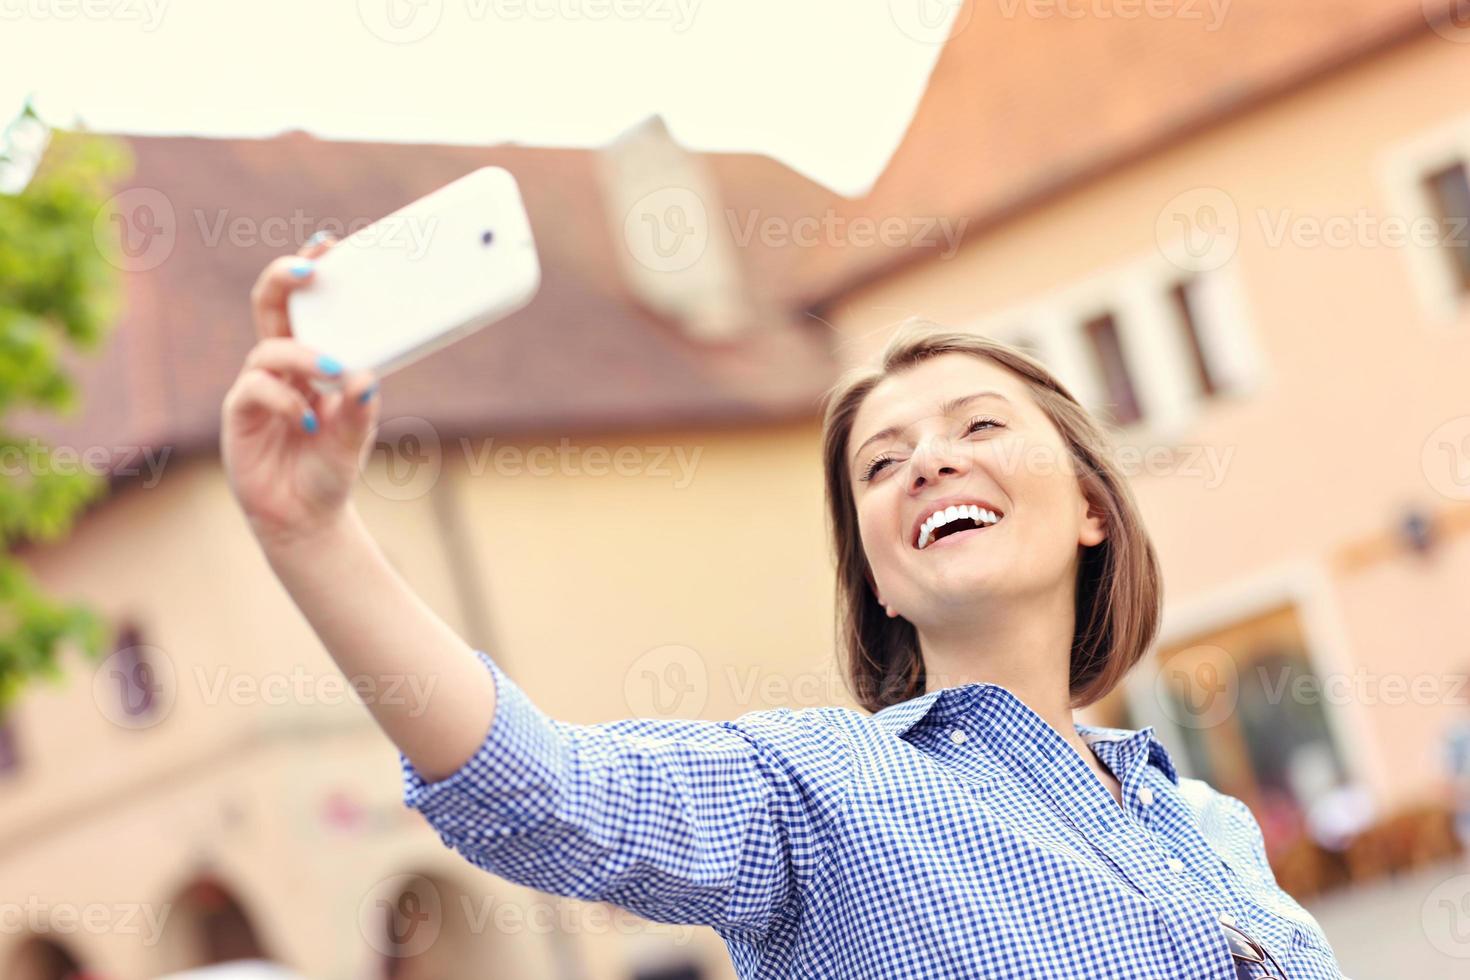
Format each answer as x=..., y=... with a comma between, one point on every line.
x=955, y=835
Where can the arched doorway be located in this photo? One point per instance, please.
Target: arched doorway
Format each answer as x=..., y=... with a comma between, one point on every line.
x=208, y=926
x=43, y=959
x=429, y=929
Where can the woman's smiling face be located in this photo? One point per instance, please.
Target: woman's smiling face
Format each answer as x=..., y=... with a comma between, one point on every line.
x=961, y=430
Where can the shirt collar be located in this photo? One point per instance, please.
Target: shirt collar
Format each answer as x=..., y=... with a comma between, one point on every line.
x=1158, y=756
x=897, y=719
x=944, y=704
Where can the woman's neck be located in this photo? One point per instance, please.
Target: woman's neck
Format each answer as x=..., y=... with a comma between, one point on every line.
x=1022, y=645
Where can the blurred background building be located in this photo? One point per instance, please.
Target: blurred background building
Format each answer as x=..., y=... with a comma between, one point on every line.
x=1245, y=245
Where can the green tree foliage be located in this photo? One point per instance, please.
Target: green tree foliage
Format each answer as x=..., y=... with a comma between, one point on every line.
x=58, y=290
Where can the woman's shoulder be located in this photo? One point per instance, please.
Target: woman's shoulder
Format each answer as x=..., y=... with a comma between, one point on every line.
x=1231, y=830
x=1224, y=820
x=834, y=725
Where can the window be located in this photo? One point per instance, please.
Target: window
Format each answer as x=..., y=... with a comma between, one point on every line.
x=1141, y=344
x=132, y=676
x=1107, y=355
x=1185, y=309
x=1448, y=190
x=1425, y=182
x=1251, y=714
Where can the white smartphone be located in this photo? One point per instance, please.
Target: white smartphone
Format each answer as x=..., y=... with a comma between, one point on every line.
x=431, y=272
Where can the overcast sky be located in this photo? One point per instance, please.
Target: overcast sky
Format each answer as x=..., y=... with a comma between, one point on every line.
x=827, y=86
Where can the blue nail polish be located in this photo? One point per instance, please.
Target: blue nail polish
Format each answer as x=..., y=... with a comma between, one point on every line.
x=317, y=238
x=301, y=268
x=308, y=421
x=328, y=364
x=367, y=393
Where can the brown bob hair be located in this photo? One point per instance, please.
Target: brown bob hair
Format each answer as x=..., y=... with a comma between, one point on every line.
x=1119, y=589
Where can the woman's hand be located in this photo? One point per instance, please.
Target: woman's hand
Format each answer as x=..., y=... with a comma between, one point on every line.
x=291, y=453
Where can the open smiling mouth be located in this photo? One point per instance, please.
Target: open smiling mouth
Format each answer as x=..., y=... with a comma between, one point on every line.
x=945, y=527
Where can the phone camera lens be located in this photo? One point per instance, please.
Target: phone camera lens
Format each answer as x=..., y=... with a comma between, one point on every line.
x=486, y=237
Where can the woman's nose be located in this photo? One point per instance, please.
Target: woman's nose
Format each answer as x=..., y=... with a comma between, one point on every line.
x=936, y=457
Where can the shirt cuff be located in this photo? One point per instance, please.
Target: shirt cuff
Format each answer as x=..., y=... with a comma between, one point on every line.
x=509, y=785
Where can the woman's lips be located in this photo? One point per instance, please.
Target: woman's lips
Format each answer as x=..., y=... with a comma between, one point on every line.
x=945, y=541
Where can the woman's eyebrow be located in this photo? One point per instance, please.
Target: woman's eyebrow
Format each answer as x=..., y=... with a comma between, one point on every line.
x=948, y=408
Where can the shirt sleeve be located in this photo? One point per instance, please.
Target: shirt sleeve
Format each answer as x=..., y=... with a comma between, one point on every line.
x=1232, y=830
x=697, y=822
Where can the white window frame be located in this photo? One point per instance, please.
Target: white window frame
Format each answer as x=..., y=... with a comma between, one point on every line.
x=1138, y=295
x=1308, y=588
x=1402, y=170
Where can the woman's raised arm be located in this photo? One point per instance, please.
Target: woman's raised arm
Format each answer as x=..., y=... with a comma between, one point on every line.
x=682, y=821
x=291, y=455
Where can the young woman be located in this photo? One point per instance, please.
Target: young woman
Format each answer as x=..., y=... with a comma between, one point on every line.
x=993, y=576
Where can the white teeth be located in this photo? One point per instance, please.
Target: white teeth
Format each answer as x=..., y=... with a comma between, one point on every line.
x=940, y=518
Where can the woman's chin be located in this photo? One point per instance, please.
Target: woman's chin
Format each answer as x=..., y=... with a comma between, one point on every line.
x=962, y=576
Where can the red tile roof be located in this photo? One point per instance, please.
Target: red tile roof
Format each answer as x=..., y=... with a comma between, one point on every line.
x=1020, y=108
x=583, y=355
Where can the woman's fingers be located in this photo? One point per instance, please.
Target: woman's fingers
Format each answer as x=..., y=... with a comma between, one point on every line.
x=258, y=392
x=317, y=244
x=350, y=413
x=293, y=361
x=268, y=296
x=276, y=280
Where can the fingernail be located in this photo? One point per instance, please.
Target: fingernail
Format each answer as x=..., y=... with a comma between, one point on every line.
x=301, y=268
x=367, y=393
x=308, y=421
x=318, y=238
x=327, y=364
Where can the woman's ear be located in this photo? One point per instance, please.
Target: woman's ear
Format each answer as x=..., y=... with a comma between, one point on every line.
x=1094, y=524
x=868, y=574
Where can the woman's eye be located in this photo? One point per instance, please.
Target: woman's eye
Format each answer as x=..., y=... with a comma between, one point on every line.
x=875, y=466
x=978, y=423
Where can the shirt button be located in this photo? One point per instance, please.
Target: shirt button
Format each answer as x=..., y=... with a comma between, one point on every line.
x=1176, y=865
x=1227, y=918
x=957, y=736
x=1145, y=795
